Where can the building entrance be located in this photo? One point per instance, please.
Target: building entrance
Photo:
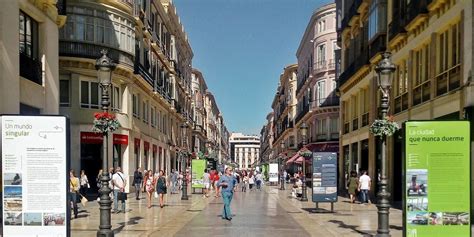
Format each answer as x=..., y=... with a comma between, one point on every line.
x=91, y=163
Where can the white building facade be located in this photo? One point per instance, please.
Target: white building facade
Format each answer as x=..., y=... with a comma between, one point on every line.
x=244, y=150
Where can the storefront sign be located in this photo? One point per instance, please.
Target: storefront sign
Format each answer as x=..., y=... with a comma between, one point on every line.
x=273, y=173
x=437, y=179
x=91, y=138
x=324, y=177
x=120, y=139
x=35, y=180
x=197, y=172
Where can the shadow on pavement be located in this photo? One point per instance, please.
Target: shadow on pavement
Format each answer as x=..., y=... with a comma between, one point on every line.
x=352, y=227
x=132, y=221
x=318, y=211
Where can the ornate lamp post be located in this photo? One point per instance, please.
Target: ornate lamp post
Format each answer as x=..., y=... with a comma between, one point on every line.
x=105, y=66
x=282, y=176
x=184, y=156
x=304, y=130
x=384, y=69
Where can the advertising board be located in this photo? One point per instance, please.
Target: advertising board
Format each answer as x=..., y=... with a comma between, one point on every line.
x=35, y=180
x=437, y=179
x=324, y=177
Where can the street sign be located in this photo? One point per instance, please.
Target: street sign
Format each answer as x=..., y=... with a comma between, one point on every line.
x=437, y=179
x=273, y=173
x=324, y=177
x=35, y=153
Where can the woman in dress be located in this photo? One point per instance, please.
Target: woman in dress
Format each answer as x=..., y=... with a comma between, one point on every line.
x=149, y=183
x=161, y=187
x=84, y=183
x=352, y=185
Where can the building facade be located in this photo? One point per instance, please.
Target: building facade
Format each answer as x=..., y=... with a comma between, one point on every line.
x=266, y=140
x=29, y=70
x=431, y=46
x=318, y=104
x=150, y=92
x=244, y=150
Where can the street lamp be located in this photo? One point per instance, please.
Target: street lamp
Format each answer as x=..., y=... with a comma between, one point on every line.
x=184, y=158
x=304, y=130
x=282, y=176
x=384, y=69
x=105, y=66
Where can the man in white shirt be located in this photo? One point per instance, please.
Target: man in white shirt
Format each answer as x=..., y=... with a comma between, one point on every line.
x=364, y=187
x=119, y=182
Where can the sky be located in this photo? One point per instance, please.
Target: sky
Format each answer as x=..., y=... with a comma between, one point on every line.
x=241, y=48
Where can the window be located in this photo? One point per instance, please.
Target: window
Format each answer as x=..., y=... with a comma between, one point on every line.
x=136, y=106
x=116, y=98
x=420, y=65
x=334, y=126
x=401, y=78
x=145, y=111
x=321, y=54
x=322, y=25
x=28, y=36
x=320, y=91
x=64, y=93
x=377, y=18
x=321, y=127
x=448, y=64
x=89, y=94
x=153, y=116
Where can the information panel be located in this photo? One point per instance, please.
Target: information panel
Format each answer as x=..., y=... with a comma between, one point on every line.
x=197, y=172
x=324, y=177
x=34, y=157
x=273, y=173
x=437, y=179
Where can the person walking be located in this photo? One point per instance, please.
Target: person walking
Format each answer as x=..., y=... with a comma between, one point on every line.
x=259, y=180
x=364, y=187
x=251, y=181
x=352, y=186
x=119, y=183
x=99, y=184
x=161, y=187
x=245, y=181
x=227, y=184
x=74, y=185
x=137, y=182
x=206, y=177
x=174, y=181
x=84, y=183
x=215, y=180
x=149, y=183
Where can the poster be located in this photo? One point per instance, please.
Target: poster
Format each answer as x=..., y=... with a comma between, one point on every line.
x=35, y=180
x=324, y=177
x=437, y=179
x=197, y=172
x=273, y=173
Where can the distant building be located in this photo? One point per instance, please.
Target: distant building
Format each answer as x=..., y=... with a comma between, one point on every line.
x=244, y=149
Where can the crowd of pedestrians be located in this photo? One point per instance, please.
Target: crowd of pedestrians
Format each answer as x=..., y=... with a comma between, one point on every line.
x=358, y=187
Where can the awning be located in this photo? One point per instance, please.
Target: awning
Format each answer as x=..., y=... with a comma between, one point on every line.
x=293, y=159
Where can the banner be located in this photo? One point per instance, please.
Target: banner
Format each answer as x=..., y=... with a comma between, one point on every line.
x=35, y=180
x=197, y=172
x=437, y=179
x=324, y=177
x=273, y=173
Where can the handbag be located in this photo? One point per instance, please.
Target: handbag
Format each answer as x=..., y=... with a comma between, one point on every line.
x=83, y=200
x=122, y=196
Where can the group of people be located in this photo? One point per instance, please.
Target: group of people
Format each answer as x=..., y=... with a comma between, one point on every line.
x=249, y=180
x=359, y=186
x=210, y=180
x=78, y=186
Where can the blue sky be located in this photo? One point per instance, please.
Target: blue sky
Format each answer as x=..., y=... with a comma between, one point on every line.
x=241, y=47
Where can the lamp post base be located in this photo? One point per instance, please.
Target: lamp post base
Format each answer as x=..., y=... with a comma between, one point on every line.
x=108, y=233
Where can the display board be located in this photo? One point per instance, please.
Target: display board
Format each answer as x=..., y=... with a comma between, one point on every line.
x=437, y=179
x=273, y=172
x=197, y=172
x=35, y=179
x=324, y=177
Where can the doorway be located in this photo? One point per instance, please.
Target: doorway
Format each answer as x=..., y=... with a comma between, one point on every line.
x=91, y=163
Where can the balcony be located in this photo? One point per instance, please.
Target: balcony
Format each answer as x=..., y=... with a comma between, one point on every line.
x=449, y=80
x=141, y=70
x=320, y=66
x=365, y=119
x=92, y=51
x=422, y=93
x=332, y=64
x=377, y=45
x=325, y=102
x=302, y=113
x=344, y=77
x=30, y=68
x=401, y=103
x=355, y=124
x=416, y=8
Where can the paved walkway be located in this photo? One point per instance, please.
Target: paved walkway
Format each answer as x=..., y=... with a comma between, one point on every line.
x=256, y=213
x=270, y=212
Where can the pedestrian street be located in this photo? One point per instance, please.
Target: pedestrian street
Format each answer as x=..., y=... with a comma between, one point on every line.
x=269, y=212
